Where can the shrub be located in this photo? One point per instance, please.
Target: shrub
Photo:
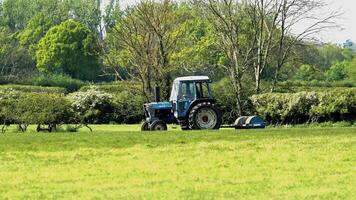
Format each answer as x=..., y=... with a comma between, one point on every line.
x=334, y=105
x=30, y=88
x=116, y=87
x=33, y=108
x=22, y=80
x=129, y=107
x=226, y=99
x=92, y=106
x=43, y=109
x=8, y=105
x=128, y=100
x=62, y=81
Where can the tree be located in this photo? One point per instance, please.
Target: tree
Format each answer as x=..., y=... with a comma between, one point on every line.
x=145, y=38
x=232, y=32
x=351, y=70
x=16, y=13
x=337, y=71
x=308, y=73
x=69, y=48
x=198, y=51
x=35, y=30
x=87, y=12
x=329, y=54
x=14, y=59
x=292, y=14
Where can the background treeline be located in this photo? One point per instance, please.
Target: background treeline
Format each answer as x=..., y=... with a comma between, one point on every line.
x=247, y=47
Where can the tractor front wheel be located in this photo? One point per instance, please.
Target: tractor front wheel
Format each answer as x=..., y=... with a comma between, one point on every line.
x=158, y=125
x=204, y=116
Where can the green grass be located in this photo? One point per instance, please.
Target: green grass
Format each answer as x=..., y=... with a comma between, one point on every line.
x=118, y=162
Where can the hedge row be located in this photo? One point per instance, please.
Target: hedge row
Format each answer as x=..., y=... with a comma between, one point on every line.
x=295, y=108
x=79, y=108
x=30, y=88
x=116, y=87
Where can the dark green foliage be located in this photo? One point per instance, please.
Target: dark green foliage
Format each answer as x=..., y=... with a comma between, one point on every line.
x=129, y=107
x=69, y=48
x=284, y=108
x=226, y=99
x=58, y=80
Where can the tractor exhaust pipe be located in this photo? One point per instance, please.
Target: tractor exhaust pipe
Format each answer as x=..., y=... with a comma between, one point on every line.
x=158, y=94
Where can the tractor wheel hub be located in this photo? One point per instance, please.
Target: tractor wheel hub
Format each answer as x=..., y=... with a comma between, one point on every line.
x=206, y=118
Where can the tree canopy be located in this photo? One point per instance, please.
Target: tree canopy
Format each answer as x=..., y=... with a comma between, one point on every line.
x=69, y=48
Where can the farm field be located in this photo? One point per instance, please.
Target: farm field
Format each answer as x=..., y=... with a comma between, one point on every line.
x=119, y=162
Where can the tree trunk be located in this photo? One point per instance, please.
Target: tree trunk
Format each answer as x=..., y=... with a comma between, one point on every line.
x=237, y=88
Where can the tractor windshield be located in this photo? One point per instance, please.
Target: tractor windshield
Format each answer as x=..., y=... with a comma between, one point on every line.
x=187, y=91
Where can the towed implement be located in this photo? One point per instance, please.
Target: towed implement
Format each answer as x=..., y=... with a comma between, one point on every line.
x=192, y=106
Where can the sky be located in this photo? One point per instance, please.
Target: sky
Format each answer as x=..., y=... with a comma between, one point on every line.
x=347, y=21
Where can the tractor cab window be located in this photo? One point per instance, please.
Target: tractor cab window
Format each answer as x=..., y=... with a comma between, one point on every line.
x=187, y=91
x=202, y=89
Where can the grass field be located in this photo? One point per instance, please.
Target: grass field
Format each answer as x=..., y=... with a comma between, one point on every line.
x=118, y=162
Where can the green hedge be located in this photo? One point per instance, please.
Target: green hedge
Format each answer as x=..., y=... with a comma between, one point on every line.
x=58, y=80
x=92, y=106
x=293, y=86
x=115, y=87
x=127, y=98
x=295, y=108
x=33, y=108
x=30, y=88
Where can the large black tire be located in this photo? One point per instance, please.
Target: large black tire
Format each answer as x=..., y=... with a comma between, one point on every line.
x=204, y=115
x=145, y=126
x=158, y=125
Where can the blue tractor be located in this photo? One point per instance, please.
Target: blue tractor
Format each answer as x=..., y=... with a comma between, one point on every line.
x=191, y=105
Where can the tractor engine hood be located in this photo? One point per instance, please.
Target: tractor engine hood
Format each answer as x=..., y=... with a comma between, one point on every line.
x=159, y=105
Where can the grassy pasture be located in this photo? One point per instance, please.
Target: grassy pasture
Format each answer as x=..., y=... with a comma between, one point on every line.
x=119, y=162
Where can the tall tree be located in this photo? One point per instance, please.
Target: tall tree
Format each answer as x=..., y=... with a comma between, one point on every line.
x=69, y=48
x=291, y=15
x=147, y=37
x=233, y=38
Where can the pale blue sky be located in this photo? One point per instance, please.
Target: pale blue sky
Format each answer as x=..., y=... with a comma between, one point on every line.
x=347, y=21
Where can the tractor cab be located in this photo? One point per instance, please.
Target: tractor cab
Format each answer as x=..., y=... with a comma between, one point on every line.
x=191, y=105
x=189, y=90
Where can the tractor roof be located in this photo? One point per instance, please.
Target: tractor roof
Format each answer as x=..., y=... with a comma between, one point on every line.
x=192, y=78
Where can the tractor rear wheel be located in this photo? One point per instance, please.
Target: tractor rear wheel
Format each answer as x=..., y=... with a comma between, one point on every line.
x=158, y=125
x=145, y=126
x=204, y=115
